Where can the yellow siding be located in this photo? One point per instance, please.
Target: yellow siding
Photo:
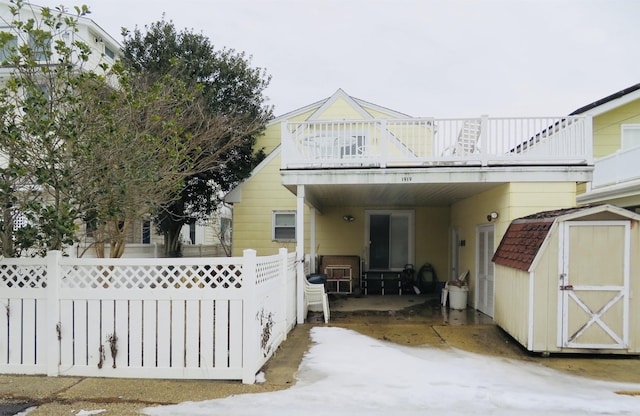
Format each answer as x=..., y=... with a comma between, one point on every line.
x=512, y=310
x=270, y=139
x=377, y=113
x=529, y=198
x=340, y=110
x=303, y=116
x=432, y=239
x=511, y=201
x=545, y=308
x=252, y=218
x=334, y=236
x=468, y=214
x=607, y=131
x=581, y=188
x=264, y=193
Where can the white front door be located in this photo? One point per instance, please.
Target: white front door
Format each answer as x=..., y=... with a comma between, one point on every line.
x=485, y=269
x=594, y=284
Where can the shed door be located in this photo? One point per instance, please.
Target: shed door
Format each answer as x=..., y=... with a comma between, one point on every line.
x=594, y=284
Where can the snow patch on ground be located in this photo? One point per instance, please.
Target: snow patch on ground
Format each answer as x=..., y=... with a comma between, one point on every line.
x=346, y=373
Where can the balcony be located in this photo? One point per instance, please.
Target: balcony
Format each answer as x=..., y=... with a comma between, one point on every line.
x=424, y=142
x=616, y=168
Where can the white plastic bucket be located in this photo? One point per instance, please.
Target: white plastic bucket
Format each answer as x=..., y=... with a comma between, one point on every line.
x=458, y=296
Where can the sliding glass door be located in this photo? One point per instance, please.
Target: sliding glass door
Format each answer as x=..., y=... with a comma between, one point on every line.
x=390, y=239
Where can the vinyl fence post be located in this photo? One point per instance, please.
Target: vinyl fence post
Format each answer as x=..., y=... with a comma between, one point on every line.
x=53, y=331
x=283, y=290
x=250, y=323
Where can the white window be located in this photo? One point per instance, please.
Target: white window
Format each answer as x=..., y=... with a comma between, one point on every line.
x=630, y=136
x=146, y=232
x=284, y=226
x=109, y=52
x=40, y=47
x=9, y=47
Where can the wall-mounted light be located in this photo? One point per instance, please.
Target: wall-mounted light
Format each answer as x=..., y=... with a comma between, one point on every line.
x=492, y=216
x=348, y=218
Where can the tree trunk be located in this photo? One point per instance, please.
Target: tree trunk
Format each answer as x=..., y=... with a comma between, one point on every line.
x=118, y=238
x=7, y=233
x=172, y=246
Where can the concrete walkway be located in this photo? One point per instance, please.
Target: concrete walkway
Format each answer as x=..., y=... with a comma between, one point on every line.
x=408, y=320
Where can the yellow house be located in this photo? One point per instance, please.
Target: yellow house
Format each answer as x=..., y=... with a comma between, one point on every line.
x=346, y=179
x=616, y=135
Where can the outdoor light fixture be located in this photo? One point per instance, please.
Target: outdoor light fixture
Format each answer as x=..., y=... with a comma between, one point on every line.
x=348, y=218
x=492, y=216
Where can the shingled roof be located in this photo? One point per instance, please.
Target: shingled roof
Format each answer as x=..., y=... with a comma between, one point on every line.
x=524, y=237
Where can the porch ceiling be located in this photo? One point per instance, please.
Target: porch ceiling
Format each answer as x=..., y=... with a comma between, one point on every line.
x=401, y=195
x=414, y=187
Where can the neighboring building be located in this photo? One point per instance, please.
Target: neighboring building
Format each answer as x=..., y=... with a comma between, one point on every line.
x=208, y=238
x=616, y=147
x=105, y=49
x=345, y=177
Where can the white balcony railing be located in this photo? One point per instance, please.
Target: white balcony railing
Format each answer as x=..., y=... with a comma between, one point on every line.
x=480, y=141
x=616, y=168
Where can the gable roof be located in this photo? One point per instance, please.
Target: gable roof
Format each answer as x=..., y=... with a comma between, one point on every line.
x=317, y=108
x=526, y=237
x=611, y=101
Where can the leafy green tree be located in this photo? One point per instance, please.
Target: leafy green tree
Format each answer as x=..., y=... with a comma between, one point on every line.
x=39, y=113
x=104, y=145
x=230, y=88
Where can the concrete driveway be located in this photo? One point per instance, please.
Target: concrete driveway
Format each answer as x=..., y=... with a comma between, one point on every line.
x=407, y=320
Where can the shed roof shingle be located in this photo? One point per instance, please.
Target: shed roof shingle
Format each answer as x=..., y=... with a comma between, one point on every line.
x=524, y=237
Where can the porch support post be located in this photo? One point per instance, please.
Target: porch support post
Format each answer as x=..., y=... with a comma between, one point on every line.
x=312, y=240
x=300, y=253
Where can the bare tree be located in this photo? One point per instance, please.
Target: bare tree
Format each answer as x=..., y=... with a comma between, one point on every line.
x=143, y=141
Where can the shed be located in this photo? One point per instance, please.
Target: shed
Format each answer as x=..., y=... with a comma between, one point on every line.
x=565, y=279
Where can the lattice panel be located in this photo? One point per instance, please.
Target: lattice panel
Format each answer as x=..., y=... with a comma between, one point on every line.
x=267, y=270
x=219, y=276
x=19, y=221
x=291, y=264
x=17, y=276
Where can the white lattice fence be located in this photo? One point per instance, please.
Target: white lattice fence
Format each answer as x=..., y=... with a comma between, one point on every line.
x=23, y=315
x=152, y=318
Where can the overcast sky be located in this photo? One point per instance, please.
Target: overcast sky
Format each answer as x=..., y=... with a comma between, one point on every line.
x=442, y=58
